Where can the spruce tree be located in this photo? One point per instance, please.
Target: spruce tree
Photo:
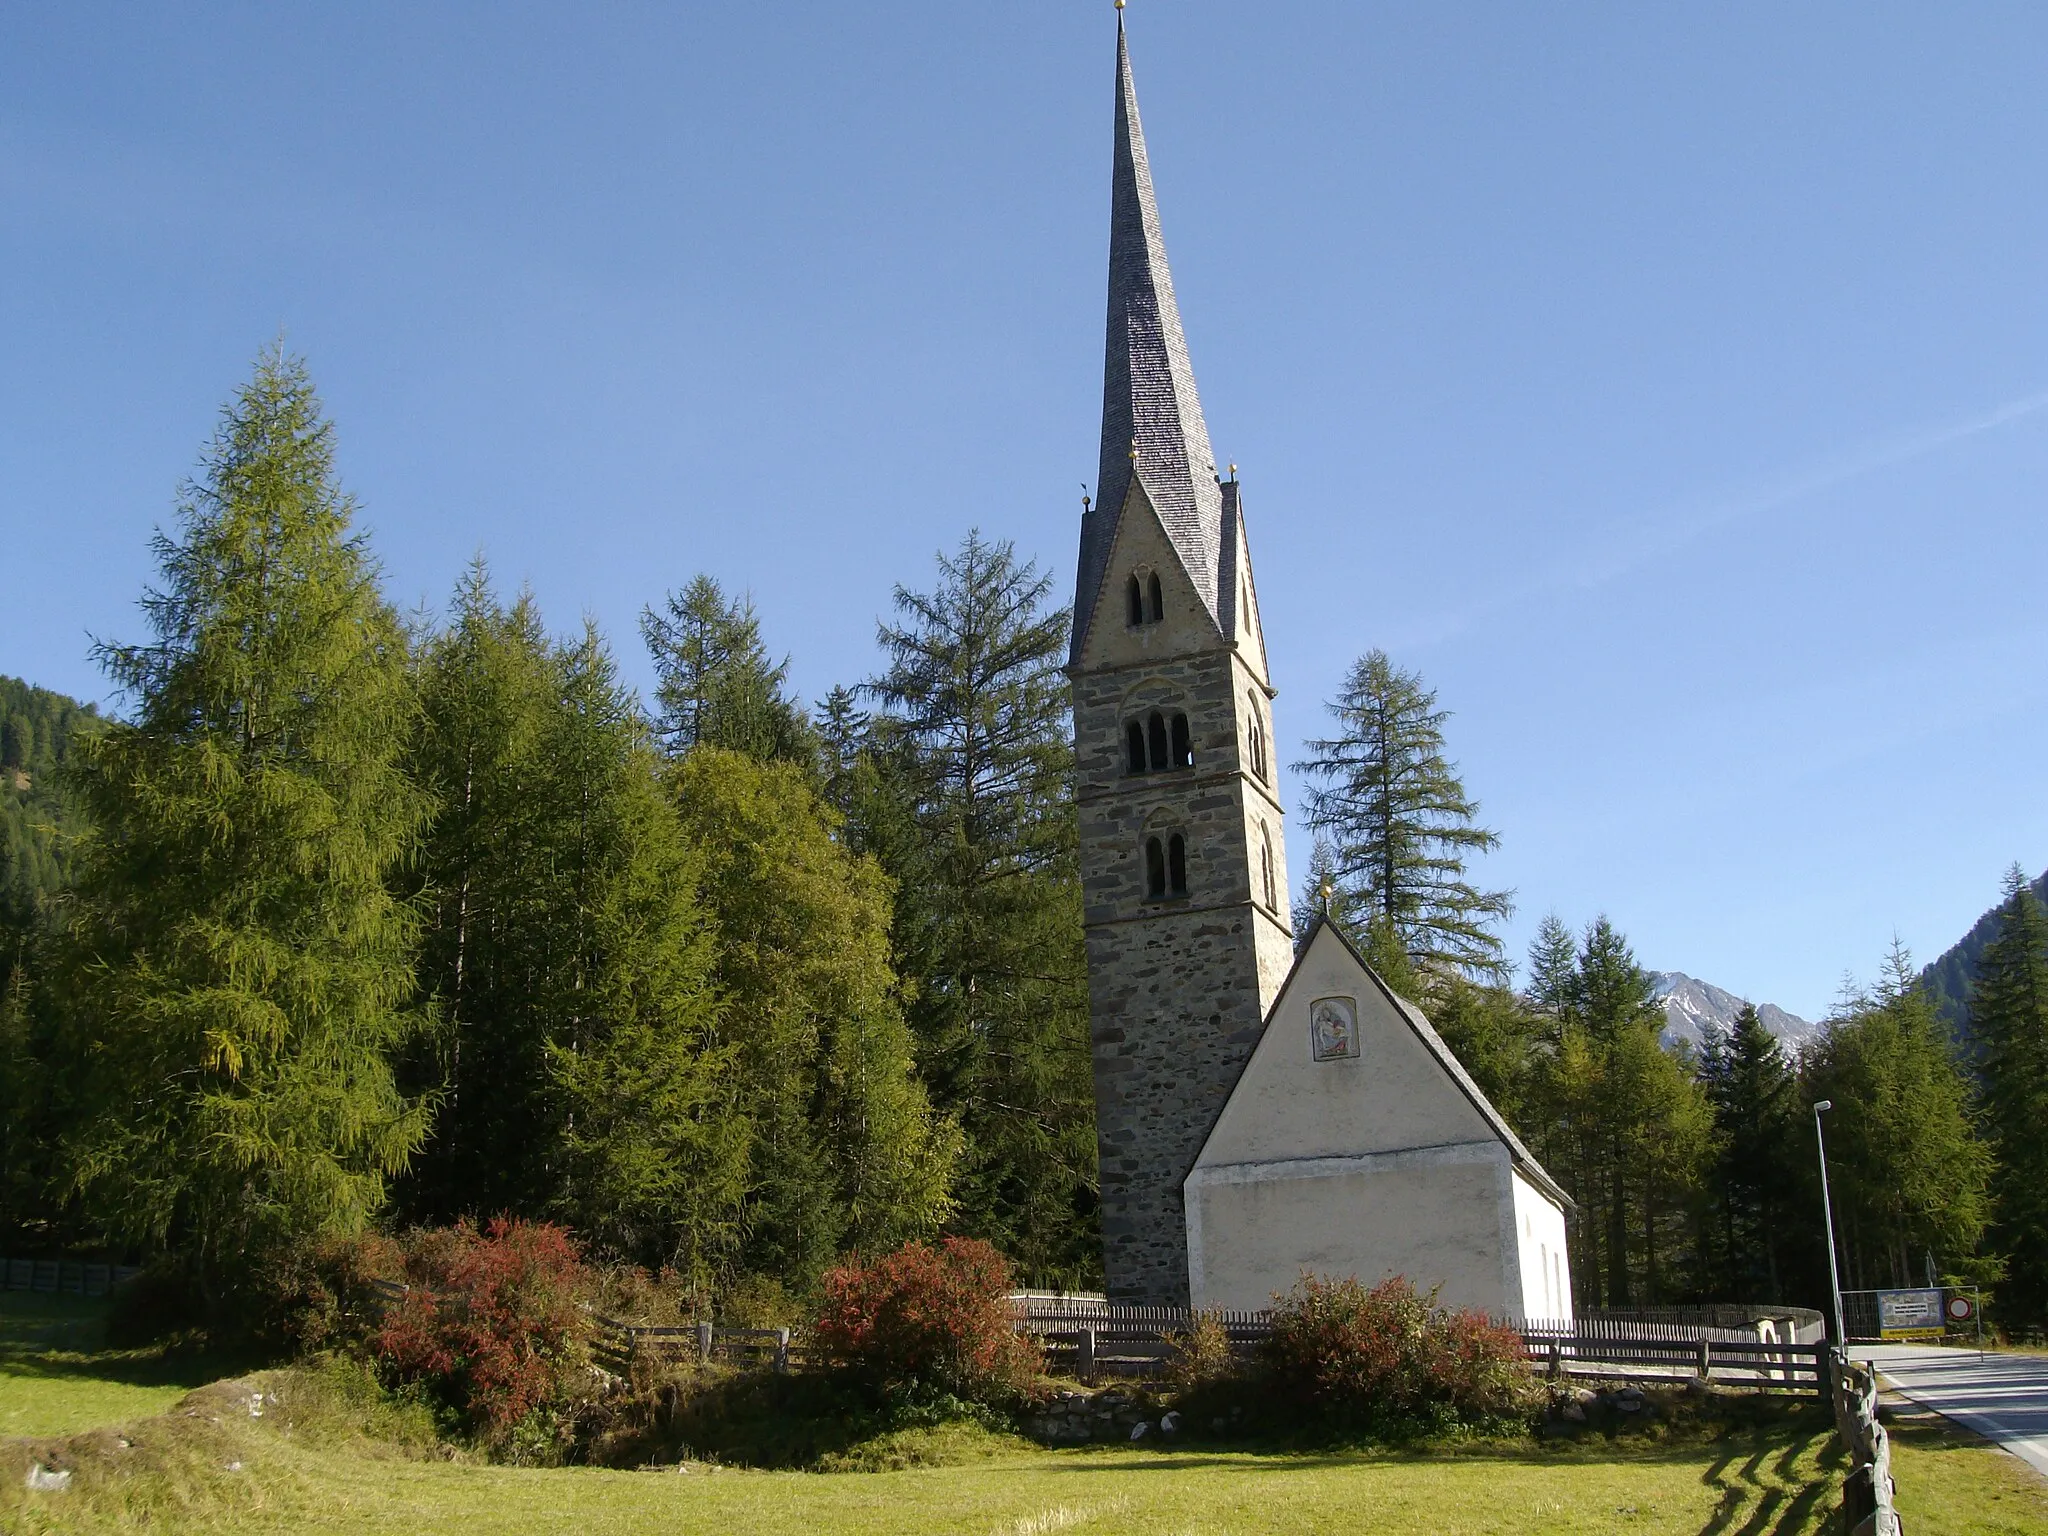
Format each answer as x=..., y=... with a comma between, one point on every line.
x=239, y=970
x=2009, y=1023
x=716, y=685
x=975, y=745
x=1757, y=1117
x=579, y=1055
x=1399, y=823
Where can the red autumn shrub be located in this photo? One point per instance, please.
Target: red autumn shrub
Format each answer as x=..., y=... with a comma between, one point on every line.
x=935, y=1318
x=489, y=1320
x=1390, y=1357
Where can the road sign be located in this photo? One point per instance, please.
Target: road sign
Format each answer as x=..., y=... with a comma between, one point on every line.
x=1960, y=1309
x=1909, y=1314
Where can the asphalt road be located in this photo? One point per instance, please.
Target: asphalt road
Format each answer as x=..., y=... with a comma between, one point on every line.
x=2002, y=1397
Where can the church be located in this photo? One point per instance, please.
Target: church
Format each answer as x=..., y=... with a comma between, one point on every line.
x=1261, y=1109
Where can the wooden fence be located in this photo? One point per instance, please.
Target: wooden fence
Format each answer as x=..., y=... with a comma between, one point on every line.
x=66, y=1277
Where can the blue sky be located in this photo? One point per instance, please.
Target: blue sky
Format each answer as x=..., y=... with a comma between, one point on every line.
x=1668, y=385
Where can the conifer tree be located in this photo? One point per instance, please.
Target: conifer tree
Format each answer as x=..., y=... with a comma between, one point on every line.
x=2009, y=1023
x=1908, y=1169
x=578, y=1056
x=1399, y=823
x=1757, y=1117
x=240, y=973
x=1619, y=1121
x=716, y=686
x=975, y=745
x=846, y=1152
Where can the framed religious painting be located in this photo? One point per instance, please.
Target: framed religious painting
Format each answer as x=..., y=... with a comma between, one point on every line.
x=1333, y=1028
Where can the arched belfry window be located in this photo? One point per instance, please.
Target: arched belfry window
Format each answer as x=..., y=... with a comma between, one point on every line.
x=1257, y=732
x=1134, y=748
x=1176, y=865
x=1134, y=602
x=1158, y=597
x=1155, y=868
x=1155, y=731
x=1266, y=868
x=1183, y=753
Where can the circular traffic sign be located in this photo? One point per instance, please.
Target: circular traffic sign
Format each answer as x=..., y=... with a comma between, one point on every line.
x=1960, y=1309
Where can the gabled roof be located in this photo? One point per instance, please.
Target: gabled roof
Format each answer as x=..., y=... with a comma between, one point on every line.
x=1152, y=427
x=1524, y=1160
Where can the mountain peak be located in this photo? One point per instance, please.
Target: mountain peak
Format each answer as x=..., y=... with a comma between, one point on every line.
x=1691, y=1006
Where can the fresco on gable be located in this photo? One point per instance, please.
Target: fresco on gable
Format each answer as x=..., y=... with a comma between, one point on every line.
x=1333, y=1028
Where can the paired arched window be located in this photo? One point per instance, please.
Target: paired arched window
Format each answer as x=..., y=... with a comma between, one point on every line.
x=1144, y=599
x=1256, y=730
x=1166, y=867
x=1158, y=742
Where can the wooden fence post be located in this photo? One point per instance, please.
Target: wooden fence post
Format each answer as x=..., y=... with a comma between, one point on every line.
x=703, y=1343
x=782, y=1351
x=1086, y=1354
x=1706, y=1359
x=1557, y=1360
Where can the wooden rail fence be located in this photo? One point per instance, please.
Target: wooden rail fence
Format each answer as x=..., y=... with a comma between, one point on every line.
x=66, y=1277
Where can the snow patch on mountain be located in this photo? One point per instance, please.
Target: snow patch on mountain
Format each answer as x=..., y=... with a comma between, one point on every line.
x=1690, y=1005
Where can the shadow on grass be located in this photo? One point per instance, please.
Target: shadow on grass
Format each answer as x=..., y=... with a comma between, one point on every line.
x=63, y=1338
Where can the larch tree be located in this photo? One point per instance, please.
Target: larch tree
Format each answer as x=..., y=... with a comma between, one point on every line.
x=974, y=817
x=1908, y=1168
x=1399, y=824
x=2009, y=1022
x=715, y=683
x=240, y=969
x=846, y=1151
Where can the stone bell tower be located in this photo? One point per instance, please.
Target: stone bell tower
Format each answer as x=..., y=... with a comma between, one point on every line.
x=1184, y=874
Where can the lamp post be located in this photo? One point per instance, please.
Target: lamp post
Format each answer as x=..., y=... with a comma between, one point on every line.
x=1827, y=1212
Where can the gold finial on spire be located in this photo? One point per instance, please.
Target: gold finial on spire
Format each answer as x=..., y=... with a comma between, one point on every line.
x=1327, y=894
x=1134, y=450
x=1119, y=4
x=1233, y=472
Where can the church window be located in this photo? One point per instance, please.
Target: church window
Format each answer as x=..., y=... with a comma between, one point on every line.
x=1135, y=602
x=1134, y=748
x=1258, y=737
x=1155, y=868
x=1158, y=597
x=1156, y=730
x=1177, y=865
x=1266, y=868
x=1183, y=751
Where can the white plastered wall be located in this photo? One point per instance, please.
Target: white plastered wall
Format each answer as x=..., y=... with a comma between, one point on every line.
x=1546, y=1276
x=1366, y=1165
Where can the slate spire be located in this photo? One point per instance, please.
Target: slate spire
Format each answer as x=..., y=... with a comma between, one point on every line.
x=1152, y=427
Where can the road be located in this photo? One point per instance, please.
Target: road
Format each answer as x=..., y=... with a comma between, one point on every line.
x=2002, y=1397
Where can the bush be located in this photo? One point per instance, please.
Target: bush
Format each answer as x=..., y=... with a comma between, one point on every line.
x=1201, y=1357
x=1391, y=1360
x=489, y=1323
x=330, y=1293
x=930, y=1319
x=159, y=1304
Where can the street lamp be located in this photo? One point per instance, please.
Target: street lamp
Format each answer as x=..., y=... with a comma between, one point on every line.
x=1827, y=1212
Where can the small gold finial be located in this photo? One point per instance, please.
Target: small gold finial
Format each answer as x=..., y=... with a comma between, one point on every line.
x=1119, y=4
x=1134, y=448
x=1233, y=471
x=1327, y=894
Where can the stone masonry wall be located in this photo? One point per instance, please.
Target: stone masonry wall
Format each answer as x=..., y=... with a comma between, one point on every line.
x=1178, y=989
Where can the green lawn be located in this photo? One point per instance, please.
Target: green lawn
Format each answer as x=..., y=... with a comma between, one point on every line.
x=55, y=1376
x=306, y=1451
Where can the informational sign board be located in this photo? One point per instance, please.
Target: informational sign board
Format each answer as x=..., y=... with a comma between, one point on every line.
x=1909, y=1314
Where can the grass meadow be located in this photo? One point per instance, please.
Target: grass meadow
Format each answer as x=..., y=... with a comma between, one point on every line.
x=313, y=1449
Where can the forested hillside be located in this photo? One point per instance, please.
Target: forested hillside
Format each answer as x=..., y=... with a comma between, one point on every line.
x=37, y=730
x=1948, y=979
